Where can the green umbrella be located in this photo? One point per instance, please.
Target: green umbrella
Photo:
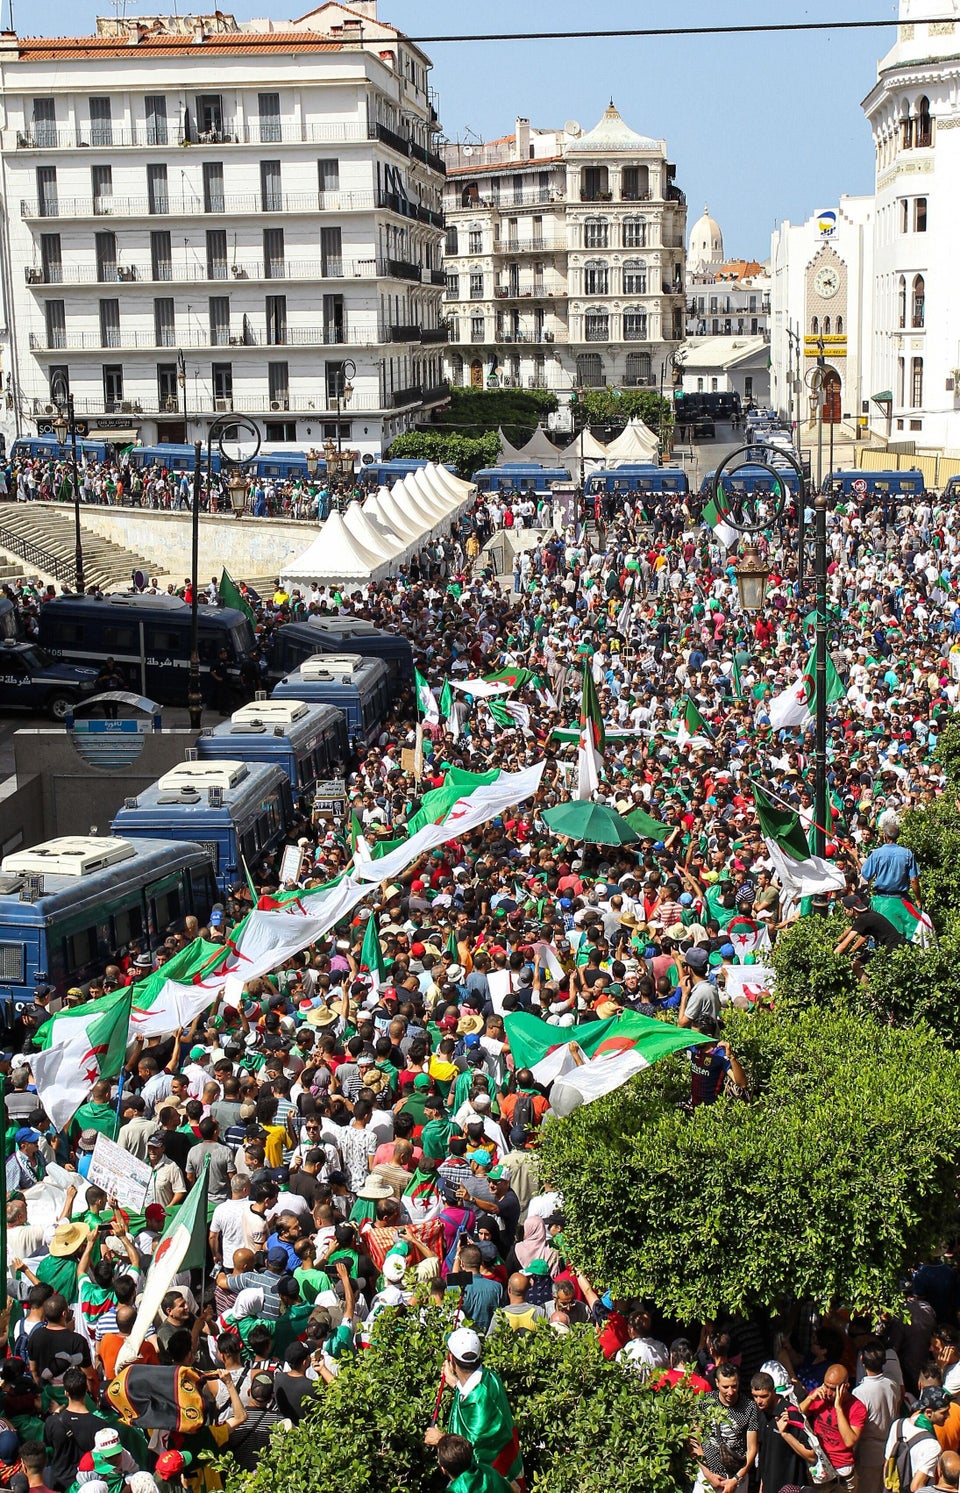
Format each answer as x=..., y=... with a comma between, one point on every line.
x=596, y=824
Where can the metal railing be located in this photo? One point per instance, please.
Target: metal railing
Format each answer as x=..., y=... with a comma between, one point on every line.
x=123, y=339
x=255, y=131
x=35, y=555
x=189, y=207
x=222, y=272
x=150, y=404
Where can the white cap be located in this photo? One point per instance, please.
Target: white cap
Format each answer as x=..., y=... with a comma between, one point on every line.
x=394, y=1267
x=464, y=1345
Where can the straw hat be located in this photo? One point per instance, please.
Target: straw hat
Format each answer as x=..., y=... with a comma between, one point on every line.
x=67, y=1239
x=374, y=1189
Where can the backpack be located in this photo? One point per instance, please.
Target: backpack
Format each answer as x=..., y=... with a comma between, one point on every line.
x=897, y=1474
x=524, y=1113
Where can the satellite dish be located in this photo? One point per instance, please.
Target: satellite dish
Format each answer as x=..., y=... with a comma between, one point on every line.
x=572, y=128
x=468, y=150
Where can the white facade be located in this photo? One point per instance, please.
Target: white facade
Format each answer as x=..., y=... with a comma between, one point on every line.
x=728, y=365
x=821, y=277
x=914, y=114
x=564, y=258
x=264, y=196
x=738, y=307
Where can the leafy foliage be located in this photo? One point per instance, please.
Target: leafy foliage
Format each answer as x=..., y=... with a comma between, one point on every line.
x=933, y=834
x=808, y=972
x=466, y=453
x=835, y=1177
x=616, y=406
x=908, y=984
x=517, y=412
x=948, y=747
x=585, y=1425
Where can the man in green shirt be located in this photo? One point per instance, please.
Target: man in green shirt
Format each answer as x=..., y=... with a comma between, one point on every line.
x=437, y=1128
x=98, y=1113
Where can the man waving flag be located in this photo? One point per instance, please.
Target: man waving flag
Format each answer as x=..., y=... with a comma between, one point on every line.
x=592, y=737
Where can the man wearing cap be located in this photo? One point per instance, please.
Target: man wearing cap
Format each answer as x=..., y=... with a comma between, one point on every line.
x=480, y=1412
x=26, y=1166
x=700, y=999
x=912, y=1442
x=167, y=1185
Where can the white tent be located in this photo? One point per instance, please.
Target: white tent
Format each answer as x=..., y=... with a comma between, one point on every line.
x=402, y=522
x=634, y=443
x=334, y=557
x=428, y=498
x=586, y=446
x=408, y=493
x=373, y=537
x=376, y=516
x=539, y=448
x=463, y=493
x=507, y=452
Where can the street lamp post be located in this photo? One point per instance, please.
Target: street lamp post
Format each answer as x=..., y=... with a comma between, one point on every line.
x=344, y=393
x=64, y=424
x=740, y=513
x=224, y=426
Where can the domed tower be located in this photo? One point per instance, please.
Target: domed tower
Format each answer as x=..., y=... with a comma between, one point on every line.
x=706, y=244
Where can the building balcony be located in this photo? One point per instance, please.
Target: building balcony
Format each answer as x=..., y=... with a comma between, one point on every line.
x=404, y=332
x=530, y=246
x=526, y=334
x=241, y=403
x=438, y=277
x=402, y=269
x=413, y=394
x=222, y=271
x=123, y=340
x=253, y=131
x=538, y=197
x=434, y=334
x=228, y=205
x=437, y=394
x=529, y=291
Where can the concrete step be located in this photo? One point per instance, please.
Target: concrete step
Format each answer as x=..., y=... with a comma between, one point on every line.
x=51, y=529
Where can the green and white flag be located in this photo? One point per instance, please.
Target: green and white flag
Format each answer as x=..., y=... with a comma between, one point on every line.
x=799, y=873
x=692, y=725
x=232, y=596
x=907, y=918
x=182, y=1246
x=447, y=701
x=714, y=515
x=77, y=1048
x=183, y=988
x=427, y=701
x=371, y=954
x=796, y=705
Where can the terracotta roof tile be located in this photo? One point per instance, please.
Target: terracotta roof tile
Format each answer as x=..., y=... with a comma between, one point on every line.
x=225, y=44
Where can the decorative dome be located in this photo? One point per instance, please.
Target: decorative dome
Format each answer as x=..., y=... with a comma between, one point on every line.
x=610, y=134
x=706, y=242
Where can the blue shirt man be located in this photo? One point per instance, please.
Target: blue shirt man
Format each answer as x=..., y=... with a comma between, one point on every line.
x=892, y=870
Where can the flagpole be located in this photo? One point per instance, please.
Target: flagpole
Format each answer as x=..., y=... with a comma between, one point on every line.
x=793, y=809
x=820, y=701
x=116, y=1122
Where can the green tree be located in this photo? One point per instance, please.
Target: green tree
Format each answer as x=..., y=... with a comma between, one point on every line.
x=808, y=972
x=466, y=453
x=834, y=1178
x=517, y=412
x=933, y=834
x=585, y=1424
x=617, y=406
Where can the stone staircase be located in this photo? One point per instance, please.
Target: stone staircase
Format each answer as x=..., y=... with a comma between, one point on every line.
x=40, y=538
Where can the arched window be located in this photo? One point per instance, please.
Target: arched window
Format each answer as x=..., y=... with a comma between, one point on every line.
x=815, y=326
x=590, y=371
x=596, y=277
x=923, y=124
x=456, y=370
x=902, y=303
x=634, y=277
x=916, y=319
x=906, y=128
x=634, y=233
x=634, y=324
x=826, y=326
x=596, y=324
x=475, y=241
x=596, y=233
x=839, y=326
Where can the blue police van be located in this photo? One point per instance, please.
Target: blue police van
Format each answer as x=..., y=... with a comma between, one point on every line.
x=48, y=448
x=525, y=477
x=69, y=905
x=238, y=811
x=641, y=478
x=296, y=641
x=148, y=638
x=30, y=679
x=357, y=686
x=307, y=742
x=909, y=484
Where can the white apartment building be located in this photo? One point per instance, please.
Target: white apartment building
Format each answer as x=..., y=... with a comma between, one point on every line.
x=914, y=114
x=264, y=198
x=564, y=258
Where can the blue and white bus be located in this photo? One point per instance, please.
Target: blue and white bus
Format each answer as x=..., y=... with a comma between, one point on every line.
x=68, y=906
x=525, y=477
x=48, y=448
x=307, y=742
x=359, y=687
x=238, y=811
x=910, y=484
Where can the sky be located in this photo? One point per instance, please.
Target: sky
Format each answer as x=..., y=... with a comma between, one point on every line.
x=763, y=128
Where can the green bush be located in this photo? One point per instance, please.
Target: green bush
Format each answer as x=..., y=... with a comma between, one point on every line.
x=836, y=1176
x=517, y=412
x=933, y=834
x=808, y=972
x=466, y=453
x=616, y=406
x=585, y=1424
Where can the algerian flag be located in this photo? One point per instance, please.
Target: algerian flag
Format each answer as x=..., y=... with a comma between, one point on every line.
x=796, y=705
x=625, y=619
x=437, y=802
x=182, y=1246
x=646, y=827
x=427, y=701
x=266, y=940
x=782, y=826
x=78, y=1048
x=612, y=1052
x=355, y=831
x=469, y=811
x=747, y=936
x=907, y=918
x=714, y=515
x=736, y=677
x=371, y=954
x=509, y=713
x=799, y=873
x=692, y=724
x=515, y=676
x=592, y=739
x=232, y=596
x=447, y=701
x=184, y=987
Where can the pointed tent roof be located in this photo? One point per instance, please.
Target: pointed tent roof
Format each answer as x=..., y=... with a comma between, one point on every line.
x=539, y=448
x=610, y=133
x=634, y=443
x=399, y=518
x=427, y=497
x=375, y=515
x=407, y=495
x=462, y=493
x=371, y=536
x=593, y=450
x=507, y=452
x=335, y=555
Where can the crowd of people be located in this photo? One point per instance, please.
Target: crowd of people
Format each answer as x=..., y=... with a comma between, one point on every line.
x=363, y=1139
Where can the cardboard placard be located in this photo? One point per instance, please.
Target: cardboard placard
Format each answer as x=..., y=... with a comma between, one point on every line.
x=121, y=1175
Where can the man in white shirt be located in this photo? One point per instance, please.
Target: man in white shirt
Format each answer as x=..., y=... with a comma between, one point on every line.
x=881, y=1395
x=917, y=1434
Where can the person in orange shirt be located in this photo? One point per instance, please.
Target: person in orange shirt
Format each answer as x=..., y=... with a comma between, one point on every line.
x=110, y=1344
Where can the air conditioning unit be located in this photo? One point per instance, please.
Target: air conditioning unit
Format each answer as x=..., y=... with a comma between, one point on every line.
x=126, y=407
x=222, y=406
x=33, y=276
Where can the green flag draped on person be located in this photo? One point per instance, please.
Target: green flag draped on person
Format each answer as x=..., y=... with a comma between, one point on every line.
x=479, y=1412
